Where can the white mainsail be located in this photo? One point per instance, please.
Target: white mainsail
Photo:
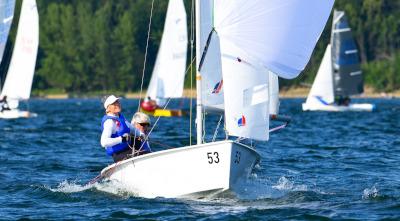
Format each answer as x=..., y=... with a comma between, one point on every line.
x=6, y=17
x=246, y=96
x=19, y=78
x=212, y=83
x=169, y=70
x=321, y=92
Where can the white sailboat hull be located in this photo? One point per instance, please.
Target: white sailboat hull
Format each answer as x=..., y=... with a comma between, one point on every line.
x=190, y=171
x=15, y=113
x=337, y=108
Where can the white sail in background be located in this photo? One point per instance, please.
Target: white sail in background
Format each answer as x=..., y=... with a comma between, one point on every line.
x=321, y=92
x=273, y=93
x=280, y=35
x=169, y=71
x=6, y=17
x=19, y=78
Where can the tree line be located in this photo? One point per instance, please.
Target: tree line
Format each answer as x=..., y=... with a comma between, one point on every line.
x=99, y=45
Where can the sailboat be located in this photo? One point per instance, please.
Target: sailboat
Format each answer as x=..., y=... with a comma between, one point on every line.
x=339, y=75
x=243, y=40
x=169, y=71
x=18, y=82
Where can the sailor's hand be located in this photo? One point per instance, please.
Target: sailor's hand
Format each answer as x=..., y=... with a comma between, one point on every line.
x=125, y=137
x=142, y=136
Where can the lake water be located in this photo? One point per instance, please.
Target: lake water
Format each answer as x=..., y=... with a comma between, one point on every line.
x=323, y=166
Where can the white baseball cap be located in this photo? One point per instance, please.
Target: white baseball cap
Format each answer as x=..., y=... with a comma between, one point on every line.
x=110, y=100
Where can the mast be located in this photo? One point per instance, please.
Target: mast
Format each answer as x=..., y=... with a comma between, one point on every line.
x=199, y=105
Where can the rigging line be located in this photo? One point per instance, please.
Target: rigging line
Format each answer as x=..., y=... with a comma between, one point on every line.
x=145, y=54
x=278, y=128
x=216, y=129
x=191, y=71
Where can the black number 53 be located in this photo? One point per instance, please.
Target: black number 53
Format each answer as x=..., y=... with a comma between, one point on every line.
x=213, y=157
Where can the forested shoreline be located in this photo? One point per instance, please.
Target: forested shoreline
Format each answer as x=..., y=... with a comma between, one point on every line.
x=90, y=46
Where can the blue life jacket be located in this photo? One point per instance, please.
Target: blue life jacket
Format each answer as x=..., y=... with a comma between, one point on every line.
x=122, y=128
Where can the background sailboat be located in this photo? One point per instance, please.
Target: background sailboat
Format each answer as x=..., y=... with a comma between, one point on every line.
x=169, y=71
x=248, y=41
x=339, y=75
x=18, y=83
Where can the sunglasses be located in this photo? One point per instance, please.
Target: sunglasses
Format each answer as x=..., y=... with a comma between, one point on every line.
x=144, y=124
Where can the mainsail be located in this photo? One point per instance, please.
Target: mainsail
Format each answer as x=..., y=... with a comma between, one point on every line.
x=347, y=75
x=211, y=81
x=19, y=78
x=169, y=70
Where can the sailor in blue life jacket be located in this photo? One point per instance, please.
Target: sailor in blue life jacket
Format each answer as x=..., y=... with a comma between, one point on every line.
x=116, y=131
x=141, y=122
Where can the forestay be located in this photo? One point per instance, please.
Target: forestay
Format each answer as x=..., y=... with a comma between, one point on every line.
x=22, y=66
x=6, y=17
x=169, y=70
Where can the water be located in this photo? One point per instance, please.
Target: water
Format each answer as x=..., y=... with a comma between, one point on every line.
x=323, y=166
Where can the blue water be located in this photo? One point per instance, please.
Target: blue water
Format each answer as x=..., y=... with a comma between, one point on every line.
x=324, y=166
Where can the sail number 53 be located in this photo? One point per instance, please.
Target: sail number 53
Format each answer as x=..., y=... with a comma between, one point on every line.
x=213, y=157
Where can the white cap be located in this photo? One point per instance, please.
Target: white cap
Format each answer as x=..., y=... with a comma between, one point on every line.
x=110, y=100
